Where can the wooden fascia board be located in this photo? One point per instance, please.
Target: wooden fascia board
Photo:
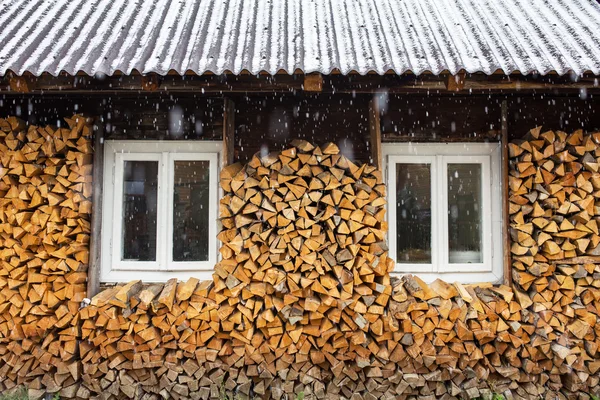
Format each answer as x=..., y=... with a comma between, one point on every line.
x=221, y=84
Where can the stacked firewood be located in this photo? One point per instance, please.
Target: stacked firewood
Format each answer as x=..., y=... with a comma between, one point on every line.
x=303, y=282
x=168, y=340
x=554, y=216
x=288, y=312
x=302, y=300
x=304, y=252
x=45, y=206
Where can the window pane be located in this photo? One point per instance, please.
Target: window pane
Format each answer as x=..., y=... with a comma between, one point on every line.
x=464, y=213
x=140, y=191
x=413, y=215
x=190, y=212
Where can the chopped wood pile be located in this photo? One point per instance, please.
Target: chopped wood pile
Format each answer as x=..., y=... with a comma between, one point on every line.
x=554, y=208
x=45, y=206
x=302, y=300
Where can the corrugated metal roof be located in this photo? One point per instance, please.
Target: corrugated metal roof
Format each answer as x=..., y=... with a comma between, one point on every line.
x=104, y=36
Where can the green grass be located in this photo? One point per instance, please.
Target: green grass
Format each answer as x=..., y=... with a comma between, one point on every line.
x=19, y=393
x=496, y=396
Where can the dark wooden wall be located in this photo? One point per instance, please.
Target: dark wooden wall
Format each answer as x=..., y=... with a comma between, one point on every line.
x=165, y=117
x=136, y=116
x=268, y=122
x=478, y=118
x=435, y=118
x=553, y=112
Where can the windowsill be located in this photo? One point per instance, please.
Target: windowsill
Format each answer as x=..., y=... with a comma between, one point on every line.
x=154, y=276
x=464, y=278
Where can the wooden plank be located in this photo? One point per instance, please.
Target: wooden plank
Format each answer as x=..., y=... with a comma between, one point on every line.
x=93, y=282
x=394, y=84
x=313, y=83
x=393, y=137
x=321, y=117
x=150, y=82
x=228, y=132
x=505, y=196
x=458, y=117
x=578, y=260
x=456, y=83
x=375, y=132
x=19, y=84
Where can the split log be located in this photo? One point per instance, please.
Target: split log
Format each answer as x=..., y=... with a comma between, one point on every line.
x=302, y=300
x=45, y=206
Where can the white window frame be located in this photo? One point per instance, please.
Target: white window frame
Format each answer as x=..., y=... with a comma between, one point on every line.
x=439, y=155
x=116, y=152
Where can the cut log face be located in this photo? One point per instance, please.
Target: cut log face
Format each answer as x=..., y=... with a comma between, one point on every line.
x=303, y=281
x=45, y=206
x=302, y=300
x=314, y=233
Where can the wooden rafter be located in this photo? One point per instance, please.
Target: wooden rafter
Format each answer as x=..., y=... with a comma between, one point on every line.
x=19, y=84
x=150, y=82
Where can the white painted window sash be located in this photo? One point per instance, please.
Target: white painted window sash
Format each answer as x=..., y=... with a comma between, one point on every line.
x=393, y=207
x=206, y=265
x=117, y=234
x=445, y=265
x=165, y=153
x=488, y=155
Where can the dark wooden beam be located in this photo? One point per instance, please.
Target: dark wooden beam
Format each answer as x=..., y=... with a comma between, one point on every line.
x=375, y=131
x=351, y=84
x=228, y=133
x=426, y=136
x=93, y=283
x=507, y=262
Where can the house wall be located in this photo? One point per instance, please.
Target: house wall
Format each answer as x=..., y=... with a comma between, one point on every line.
x=537, y=338
x=273, y=120
x=269, y=123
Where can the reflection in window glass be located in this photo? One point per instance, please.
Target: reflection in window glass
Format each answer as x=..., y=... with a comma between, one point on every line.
x=190, y=211
x=140, y=192
x=464, y=213
x=413, y=214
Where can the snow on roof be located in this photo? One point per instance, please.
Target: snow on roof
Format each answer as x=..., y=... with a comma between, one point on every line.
x=104, y=36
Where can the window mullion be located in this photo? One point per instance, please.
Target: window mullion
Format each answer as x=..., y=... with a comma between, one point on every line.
x=164, y=204
x=442, y=210
x=487, y=243
x=434, y=215
x=391, y=179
